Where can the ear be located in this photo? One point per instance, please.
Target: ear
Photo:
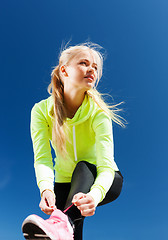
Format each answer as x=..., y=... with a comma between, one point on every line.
x=63, y=71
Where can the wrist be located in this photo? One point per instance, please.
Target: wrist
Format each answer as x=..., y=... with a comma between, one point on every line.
x=47, y=190
x=96, y=194
x=90, y=195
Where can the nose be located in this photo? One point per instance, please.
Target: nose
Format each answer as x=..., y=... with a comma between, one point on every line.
x=91, y=69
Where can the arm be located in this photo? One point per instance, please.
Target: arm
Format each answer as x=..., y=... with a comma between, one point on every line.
x=42, y=155
x=106, y=166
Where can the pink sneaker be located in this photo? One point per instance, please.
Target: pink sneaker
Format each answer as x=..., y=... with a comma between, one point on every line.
x=57, y=227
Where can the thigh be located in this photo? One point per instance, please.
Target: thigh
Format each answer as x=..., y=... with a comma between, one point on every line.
x=83, y=178
x=115, y=189
x=61, y=192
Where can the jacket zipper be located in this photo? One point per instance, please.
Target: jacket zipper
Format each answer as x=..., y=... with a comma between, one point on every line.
x=74, y=143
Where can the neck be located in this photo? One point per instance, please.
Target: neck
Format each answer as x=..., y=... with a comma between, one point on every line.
x=73, y=100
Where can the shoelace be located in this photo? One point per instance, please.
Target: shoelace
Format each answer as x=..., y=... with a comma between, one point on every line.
x=67, y=208
x=53, y=221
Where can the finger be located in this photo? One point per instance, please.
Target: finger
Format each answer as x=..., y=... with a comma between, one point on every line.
x=87, y=209
x=42, y=203
x=49, y=196
x=46, y=209
x=51, y=201
x=84, y=200
x=84, y=207
x=48, y=200
x=77, y=197
x=87, y=212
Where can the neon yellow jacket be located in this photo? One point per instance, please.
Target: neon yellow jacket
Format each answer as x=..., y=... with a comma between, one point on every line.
x=91, y=139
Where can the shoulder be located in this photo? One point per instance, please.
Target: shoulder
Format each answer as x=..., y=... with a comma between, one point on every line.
x=101, y=118
x=43, y=107
x=96, y=109
x=97, y=113
x=43, y=103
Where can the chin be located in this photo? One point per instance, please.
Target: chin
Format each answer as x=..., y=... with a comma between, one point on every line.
x=90, y=86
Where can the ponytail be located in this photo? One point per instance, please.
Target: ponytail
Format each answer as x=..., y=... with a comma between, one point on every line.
x=56, y=89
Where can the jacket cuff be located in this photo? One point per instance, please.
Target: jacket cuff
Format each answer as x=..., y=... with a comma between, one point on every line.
x=44, y=185
x=96, y=194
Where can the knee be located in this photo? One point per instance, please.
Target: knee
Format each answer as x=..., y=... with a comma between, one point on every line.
x=81, y=163
x=117, y=186
x=84, y=167
x=85, y=164
x=114, y=191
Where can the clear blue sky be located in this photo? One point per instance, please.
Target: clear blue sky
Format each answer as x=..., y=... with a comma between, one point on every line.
x=135, y=36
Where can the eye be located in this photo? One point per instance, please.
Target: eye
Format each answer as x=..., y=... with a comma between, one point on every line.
x=83, y=63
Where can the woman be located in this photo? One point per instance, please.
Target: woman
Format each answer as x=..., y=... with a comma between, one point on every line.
x=78, y=123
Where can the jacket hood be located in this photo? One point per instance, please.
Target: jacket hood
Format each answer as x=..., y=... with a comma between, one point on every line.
x=87, y=108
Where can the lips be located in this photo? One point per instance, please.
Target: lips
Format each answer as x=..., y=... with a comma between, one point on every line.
x=90, y=77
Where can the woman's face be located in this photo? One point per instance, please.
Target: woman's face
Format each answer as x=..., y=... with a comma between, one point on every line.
x=81, y=71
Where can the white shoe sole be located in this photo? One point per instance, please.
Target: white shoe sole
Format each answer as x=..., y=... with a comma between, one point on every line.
x=32, y=229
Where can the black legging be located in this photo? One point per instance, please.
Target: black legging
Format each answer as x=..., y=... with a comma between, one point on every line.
x=83, y=178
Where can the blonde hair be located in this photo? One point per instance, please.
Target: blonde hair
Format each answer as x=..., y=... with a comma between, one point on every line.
x=56, y=89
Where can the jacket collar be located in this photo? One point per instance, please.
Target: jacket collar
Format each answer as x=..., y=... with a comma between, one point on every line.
x=82, y=114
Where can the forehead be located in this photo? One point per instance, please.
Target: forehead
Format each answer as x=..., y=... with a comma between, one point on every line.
x=86, y=54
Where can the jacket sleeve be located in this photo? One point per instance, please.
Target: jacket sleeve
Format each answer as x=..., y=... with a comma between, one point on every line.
x=106, y=166
x=41, y=145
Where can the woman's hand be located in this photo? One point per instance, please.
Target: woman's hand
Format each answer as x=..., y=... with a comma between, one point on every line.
x=47, y=203
x=85, y=203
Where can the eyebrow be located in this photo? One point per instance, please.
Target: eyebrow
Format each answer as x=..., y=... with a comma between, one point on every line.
x=84, y=59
